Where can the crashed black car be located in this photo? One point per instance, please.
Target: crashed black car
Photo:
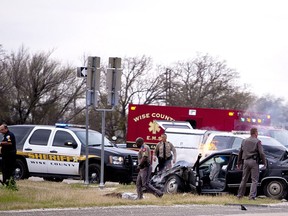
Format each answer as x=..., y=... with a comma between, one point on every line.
x=218, y=173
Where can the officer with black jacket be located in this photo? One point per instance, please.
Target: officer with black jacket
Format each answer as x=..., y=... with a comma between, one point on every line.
x=145, y=169
x=251, y=152
x=8, y=151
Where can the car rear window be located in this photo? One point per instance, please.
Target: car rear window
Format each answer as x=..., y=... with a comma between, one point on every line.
x=20, y=133
x=273, y=148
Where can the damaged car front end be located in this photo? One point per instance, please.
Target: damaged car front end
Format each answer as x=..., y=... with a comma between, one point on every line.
x=182, y=177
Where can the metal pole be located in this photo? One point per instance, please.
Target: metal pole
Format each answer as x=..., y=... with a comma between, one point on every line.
x=87, y=135
x=102, y=151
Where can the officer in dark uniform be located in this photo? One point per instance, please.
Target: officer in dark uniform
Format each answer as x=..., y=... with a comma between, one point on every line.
x=8, y=151
x=251, y=152
x=145, y=168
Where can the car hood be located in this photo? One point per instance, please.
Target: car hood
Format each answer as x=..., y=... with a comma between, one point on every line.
x=178, y=167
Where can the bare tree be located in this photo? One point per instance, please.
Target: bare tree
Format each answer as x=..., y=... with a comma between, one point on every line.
x=40, y=90
x=205, y=82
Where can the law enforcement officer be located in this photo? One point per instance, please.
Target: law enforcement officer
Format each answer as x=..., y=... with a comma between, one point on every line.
x=251, y=152
x=163, y=152
x=145, y=168
x=8, y=151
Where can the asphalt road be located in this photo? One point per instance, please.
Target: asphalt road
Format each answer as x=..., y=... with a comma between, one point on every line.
x=179, y=210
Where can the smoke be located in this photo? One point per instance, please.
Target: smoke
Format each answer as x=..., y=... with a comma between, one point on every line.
x=273, y=106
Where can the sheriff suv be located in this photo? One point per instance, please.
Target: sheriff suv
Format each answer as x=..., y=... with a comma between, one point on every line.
x=59, y=152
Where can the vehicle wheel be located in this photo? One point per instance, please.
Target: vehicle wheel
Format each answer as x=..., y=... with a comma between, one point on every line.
x=94, y=173
x=21, y=170
x=275, y=189
x=54, y=179
x=173, y=185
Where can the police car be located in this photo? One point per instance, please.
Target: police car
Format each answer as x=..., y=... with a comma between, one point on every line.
x=59, y=152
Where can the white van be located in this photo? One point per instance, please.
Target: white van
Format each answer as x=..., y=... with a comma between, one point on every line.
x=185, y=139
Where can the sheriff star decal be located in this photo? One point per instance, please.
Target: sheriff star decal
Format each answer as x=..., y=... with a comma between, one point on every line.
x=8, y=138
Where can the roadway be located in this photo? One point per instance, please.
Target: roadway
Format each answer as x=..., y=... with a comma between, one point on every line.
x=179, y=210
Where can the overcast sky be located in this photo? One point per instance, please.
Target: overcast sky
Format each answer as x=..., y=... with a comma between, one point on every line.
x=250, y=35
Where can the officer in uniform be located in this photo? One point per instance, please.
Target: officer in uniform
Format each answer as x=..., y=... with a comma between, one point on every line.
x=251, y=152
x=163, y=152
x=8, y=151
x=145, y=169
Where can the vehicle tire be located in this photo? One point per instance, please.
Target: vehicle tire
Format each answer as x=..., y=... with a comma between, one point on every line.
x=275, y=189
x=21, y=170
x=173, y=185
x=94, y=173
x=54, y=179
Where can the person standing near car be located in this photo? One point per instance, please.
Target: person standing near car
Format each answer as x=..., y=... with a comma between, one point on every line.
x=145, y=168
x=163, y=152
x=251, y=151
x=8, y=151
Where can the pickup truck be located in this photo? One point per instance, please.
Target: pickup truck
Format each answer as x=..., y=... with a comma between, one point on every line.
x=58, y=152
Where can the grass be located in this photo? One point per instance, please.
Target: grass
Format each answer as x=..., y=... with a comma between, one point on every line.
x=42, y=194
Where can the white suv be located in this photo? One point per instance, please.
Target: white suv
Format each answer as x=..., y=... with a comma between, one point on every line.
x=59, y=152
x=217, y=141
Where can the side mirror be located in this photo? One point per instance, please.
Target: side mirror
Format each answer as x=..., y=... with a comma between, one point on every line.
x=71, y=144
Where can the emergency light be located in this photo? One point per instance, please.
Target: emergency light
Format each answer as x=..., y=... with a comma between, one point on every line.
x=231, y=113
x=65, y=125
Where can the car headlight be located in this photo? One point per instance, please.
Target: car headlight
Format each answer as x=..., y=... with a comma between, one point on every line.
x=116, y=160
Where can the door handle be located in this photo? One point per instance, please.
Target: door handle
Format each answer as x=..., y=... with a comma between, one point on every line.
x=53, y=151
x=28, y=149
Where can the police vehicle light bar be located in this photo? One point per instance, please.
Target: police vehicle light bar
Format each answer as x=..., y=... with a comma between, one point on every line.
x=65, y=125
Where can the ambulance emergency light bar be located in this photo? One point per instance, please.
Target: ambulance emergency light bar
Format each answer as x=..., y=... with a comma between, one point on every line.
x=250, y=119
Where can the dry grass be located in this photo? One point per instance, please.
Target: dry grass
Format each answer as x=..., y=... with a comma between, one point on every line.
x=41, y=194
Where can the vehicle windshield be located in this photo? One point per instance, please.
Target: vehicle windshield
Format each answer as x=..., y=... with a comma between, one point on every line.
x=273, y=148
x=280, y=135
x=94, y=138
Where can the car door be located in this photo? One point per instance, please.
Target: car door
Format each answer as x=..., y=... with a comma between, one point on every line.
x=64, y=153
x=209, y=176
x=36, y=148
x=234, y=175
x=213, y=173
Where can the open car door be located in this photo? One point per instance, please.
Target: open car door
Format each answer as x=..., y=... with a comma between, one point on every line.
x=195, y=183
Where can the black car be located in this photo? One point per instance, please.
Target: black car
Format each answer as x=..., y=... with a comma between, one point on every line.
x=218, y=173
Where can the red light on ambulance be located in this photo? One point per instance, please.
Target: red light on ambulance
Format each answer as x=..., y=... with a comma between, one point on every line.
x=231, y=113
